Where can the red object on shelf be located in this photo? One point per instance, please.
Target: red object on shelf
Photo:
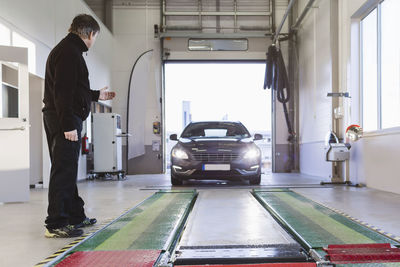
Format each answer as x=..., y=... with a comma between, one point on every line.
x=120, y=258
x=291, y=264
x=362, y=253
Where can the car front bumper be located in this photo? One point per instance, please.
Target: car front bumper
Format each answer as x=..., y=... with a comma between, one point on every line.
x=189, y=169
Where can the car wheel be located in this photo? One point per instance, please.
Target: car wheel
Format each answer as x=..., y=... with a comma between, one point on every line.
x=176, y=181
x=256, y=180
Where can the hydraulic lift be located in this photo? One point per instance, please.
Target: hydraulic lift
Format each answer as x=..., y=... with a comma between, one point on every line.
x=275, y=228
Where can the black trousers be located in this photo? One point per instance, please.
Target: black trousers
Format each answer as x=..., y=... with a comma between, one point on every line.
x=65, y=205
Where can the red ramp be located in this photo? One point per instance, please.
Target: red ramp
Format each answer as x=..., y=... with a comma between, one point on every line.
x=117, y=258
x=292, y=264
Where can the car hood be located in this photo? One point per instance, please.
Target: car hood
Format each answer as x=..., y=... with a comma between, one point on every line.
x=215, y=145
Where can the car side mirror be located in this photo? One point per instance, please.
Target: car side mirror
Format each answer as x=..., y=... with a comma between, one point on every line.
x=258, y=137
x=173, y=137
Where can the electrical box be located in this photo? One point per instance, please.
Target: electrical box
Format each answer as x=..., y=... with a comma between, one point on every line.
x=107, y=143
x=338, y=152
x=156, y=127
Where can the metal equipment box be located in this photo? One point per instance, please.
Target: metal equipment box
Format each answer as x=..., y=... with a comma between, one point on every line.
x=338, y=152
x=107, y=143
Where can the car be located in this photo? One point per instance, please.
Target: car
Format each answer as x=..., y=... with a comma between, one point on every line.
x=215, y=150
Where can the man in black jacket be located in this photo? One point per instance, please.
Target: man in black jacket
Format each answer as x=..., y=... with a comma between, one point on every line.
x=67, y=100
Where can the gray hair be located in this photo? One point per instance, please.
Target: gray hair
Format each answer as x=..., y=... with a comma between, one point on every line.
x=83, y=25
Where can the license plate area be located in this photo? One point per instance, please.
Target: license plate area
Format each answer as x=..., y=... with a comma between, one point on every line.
x=216, y=167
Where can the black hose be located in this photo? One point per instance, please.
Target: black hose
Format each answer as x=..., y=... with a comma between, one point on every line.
x=276, y=78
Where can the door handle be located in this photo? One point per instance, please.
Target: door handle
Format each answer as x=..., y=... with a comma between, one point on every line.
x=22, y=128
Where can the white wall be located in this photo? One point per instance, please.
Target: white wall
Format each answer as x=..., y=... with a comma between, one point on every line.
x=315, y=81
x=133, y=33
x=374, y=159
x=45, y=23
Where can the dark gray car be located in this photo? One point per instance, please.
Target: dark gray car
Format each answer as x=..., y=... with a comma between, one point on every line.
x=214, y=150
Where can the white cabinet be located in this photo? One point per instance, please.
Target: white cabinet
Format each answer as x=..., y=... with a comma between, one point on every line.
x=107, y=143
x=14, y=125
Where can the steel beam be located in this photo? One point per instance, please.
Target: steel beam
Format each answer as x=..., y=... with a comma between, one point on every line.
x=215, y=35
x=215, y=13
x=302, y=15
x=283, y=21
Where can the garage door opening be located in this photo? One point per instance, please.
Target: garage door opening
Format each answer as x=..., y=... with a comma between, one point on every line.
x=218, y=91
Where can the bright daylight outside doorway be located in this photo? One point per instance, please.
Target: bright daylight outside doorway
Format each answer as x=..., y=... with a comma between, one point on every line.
x=218, y=91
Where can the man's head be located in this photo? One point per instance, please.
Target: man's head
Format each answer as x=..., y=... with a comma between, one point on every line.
x=86, y=27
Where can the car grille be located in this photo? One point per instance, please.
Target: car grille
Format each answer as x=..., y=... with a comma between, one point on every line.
x=216, y=157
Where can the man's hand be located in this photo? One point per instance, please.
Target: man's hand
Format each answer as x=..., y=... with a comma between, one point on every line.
x=72, y=135
x=105, y=95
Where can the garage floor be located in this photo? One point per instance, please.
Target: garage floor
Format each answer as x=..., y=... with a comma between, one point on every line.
x=240, y=216
x=22, y=231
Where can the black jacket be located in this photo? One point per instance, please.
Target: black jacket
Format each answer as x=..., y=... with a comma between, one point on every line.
x=67, y=88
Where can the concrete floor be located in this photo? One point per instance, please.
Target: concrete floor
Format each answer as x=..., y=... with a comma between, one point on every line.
x=22, y=227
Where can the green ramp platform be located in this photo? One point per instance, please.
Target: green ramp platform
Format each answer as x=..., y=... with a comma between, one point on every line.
x=153, y=225
x=314, y=225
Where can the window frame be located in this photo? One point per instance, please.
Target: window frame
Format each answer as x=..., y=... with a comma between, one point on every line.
x=379, y=129
x=362, y=70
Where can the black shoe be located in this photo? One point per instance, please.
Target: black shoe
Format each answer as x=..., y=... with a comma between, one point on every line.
x=86, y=222
x=63, y=232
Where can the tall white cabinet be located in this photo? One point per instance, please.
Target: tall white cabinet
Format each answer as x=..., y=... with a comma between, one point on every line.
x=107, y=143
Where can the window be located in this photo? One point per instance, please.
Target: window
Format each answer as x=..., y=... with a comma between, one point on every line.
x=4, y=40
x=218, y=44
x=380, y=46
x=215, y=132
x=10, y=37
x=9, y=101
x=4, y=35
x=370, y=69
x=390, y=60
x=20, y=41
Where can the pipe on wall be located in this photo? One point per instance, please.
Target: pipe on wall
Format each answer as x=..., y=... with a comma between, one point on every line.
x=283, y=21
x=302, y=15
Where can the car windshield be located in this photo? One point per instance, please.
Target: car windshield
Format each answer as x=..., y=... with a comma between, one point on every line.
x=215, y=130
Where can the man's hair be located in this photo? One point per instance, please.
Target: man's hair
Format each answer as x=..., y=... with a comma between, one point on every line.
x=83, y=25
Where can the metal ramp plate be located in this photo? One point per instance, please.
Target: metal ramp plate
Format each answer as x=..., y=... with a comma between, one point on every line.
x=239, y=254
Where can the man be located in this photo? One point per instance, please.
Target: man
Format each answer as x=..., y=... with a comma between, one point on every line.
x=67, y=100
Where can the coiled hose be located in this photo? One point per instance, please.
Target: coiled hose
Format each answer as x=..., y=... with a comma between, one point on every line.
x=276, y=79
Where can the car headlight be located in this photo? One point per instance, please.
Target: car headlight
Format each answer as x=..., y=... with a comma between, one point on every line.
x=179, y=154
x=252, y=153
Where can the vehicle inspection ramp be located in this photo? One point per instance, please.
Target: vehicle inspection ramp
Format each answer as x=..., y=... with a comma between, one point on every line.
x=231, y=227
x=317, y=227
x=137, y=238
